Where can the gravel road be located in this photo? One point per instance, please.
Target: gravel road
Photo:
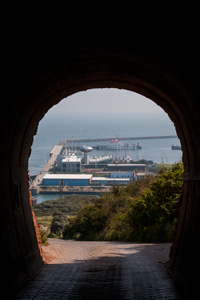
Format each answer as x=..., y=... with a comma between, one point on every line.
x=102, y=270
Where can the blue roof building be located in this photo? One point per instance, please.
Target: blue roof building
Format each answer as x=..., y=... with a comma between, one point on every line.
x=67, y=179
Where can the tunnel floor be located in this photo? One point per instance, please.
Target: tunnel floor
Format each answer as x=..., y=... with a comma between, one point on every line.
x=102, y=270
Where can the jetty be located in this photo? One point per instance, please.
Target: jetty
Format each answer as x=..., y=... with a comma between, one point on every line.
x=63, y=142
x=34, y=188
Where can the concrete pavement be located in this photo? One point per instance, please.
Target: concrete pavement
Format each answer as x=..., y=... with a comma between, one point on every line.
x=54, y=152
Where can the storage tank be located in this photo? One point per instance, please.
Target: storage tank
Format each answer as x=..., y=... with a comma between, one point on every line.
x=86, y=150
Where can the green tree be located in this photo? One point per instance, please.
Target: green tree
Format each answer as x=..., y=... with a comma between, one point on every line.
x=153, y=214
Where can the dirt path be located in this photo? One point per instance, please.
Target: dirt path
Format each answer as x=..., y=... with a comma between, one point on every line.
x=102, y=270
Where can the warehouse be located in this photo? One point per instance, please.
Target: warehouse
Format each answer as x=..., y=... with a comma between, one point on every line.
x=119, y=174
x=109, y=181
x=67, y=179
x=127, y=167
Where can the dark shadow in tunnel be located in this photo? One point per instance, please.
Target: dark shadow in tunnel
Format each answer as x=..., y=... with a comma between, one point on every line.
x=166, y=71
x=127, y=271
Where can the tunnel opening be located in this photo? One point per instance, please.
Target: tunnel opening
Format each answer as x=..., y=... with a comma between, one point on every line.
x=36, y=92
x=114, y=111
x=96, y=261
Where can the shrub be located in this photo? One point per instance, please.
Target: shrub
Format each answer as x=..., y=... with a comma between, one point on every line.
x=153, y=214
x=58, y=222
x=143, y=211
x=43, y=235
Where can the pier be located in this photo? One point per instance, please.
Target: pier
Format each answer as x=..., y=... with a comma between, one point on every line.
x=63, y=142
x=38, y=179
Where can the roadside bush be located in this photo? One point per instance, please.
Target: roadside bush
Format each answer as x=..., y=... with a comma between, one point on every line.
x=43, y=235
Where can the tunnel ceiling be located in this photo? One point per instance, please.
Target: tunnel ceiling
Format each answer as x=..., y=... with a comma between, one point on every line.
x=40, y=75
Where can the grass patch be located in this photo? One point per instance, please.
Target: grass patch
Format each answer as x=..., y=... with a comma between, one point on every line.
x=45, y=220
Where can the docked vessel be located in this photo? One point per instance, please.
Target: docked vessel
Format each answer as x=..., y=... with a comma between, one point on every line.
x=115, y=144
x=176, y=147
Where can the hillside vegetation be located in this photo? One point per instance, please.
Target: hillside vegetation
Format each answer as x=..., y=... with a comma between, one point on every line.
x=143, y=211
x=52, y=215
x=68, y=205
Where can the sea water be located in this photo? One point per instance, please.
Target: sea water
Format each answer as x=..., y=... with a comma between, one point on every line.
x=53, y=128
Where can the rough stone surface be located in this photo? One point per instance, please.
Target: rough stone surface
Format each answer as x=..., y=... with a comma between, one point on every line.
x=102, y=270
x=37, y=76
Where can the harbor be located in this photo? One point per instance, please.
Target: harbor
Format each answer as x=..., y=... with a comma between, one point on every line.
x=76, y=167
x=65, y=173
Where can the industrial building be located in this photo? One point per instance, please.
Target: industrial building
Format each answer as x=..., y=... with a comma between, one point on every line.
x=109, y=181
x=67, y=179
x=80, y=180
x=60, y=157
x=140, y=175
x=71, y=164
x=119, y=174
x=126, y=167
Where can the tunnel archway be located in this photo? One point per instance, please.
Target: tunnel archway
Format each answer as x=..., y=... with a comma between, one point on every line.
x=43, y=81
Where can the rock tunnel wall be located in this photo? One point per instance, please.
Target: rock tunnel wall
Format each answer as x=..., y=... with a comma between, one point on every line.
x=165, y=72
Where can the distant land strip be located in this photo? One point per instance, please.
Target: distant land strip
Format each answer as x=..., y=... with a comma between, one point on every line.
x=63, y=142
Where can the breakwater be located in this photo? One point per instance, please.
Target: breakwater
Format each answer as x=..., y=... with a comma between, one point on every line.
x=63, y=142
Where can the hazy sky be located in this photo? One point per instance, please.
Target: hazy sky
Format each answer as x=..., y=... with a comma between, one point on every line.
x=109, y=101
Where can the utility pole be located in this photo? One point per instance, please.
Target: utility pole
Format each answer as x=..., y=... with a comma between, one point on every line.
x=61, y=187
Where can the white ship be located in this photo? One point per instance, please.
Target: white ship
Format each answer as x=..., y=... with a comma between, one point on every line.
x=115, y=144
